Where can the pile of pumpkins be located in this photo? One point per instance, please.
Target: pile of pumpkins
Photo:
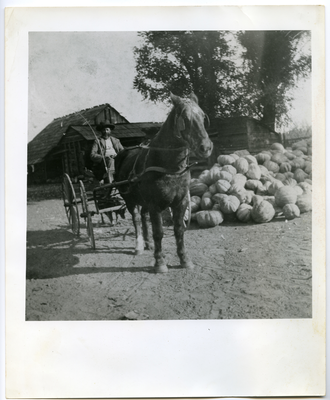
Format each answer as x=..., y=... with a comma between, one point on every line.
x=254, y=188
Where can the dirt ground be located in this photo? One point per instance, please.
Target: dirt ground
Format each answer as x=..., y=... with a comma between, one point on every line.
x=242, y=271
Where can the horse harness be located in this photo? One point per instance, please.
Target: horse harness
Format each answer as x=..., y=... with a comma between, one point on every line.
x=134, y=177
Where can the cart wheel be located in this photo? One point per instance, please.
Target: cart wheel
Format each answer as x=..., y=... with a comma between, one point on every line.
x=70, y=204
x=187, y=214
x=86, y=214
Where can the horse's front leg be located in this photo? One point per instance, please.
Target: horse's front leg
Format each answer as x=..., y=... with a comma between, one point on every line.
x=157, y=232
x=178, y=214
x=136, y=216
x=145, y=229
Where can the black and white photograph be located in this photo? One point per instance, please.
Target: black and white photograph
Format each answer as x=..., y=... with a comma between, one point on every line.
x=171, y=177
x=211, y=131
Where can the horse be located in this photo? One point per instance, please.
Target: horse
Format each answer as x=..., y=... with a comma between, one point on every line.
x=157, y=176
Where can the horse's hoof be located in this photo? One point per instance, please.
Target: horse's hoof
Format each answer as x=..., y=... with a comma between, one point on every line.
x=138, y=252
x=161, y=269
x=189, y=266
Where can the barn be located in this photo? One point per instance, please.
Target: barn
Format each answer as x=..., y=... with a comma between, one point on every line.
x=64, y=145
x=237, y=133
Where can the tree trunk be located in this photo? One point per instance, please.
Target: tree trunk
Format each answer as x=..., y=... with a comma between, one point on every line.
x=269, y=116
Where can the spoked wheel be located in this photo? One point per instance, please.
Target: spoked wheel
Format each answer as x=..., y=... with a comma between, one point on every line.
x=70, y=204
x=187, y=214
x=86, y=214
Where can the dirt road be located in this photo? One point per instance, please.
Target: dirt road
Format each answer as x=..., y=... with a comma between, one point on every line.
x=242, y=271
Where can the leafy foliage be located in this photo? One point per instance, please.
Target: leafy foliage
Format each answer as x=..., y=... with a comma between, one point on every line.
x=185, y=61
x=273, y=62
x=246, y=73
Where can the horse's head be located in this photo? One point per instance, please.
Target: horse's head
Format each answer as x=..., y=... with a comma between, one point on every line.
x=189, y=125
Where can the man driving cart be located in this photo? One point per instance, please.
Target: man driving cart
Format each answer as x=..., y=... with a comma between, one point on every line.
x=104, y=151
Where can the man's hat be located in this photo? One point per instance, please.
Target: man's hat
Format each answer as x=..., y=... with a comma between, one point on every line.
x=105, y=124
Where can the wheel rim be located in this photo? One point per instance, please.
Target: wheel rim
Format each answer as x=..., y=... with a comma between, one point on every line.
x=87, y=215
x=70, y=204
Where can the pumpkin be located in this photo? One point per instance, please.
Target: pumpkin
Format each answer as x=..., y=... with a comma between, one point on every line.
x=285, y=167
x=222, y=186
x=248, y=196
x=213, y=189
x=241, y=195
x=280, y=177
x=262, y=157
x=300, y=143
x=298, y=190
x=264, y=171
x=308, y=167
x=262, y=212
x=217, y=197
x=235, y=188
x=215, y=173
x=272, y=166
x=288, y=174
x=306, y=187
x=267, y=184
x=207, y=194
x=195, y=199
x=256, y=199
x=193, y=216
x=254, y=171
x=300, y=175
x=230, y=169
x=229, y=204
x=224, y=175
x=270, y=199
x=274, y=186
x=194, y=206
x=225, y=160
x=261, y=191
x=206, y=203
x=216, y=207
x=304, y=202
x=277, y=147
x=253, y=184
x=309, y=181
x=279, y=158
x=298, y=153
x=289, y=155
x=205, y=177
x=235, y=156
x=250, y=159
x=242, y=153
x=291, y=211
x=209, y=219
x=285, y=195
x=197, y=188
x=290, y=182
x=297, y=163
x=239, y=179
x=243, y=213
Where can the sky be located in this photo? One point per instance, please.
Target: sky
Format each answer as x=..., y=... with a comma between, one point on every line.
x=72, y=71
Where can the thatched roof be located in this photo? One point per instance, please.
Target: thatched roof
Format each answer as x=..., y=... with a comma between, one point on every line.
x=50, y=136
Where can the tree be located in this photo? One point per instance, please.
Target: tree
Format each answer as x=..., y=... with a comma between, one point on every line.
x=273, y=63
x=185, y=61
